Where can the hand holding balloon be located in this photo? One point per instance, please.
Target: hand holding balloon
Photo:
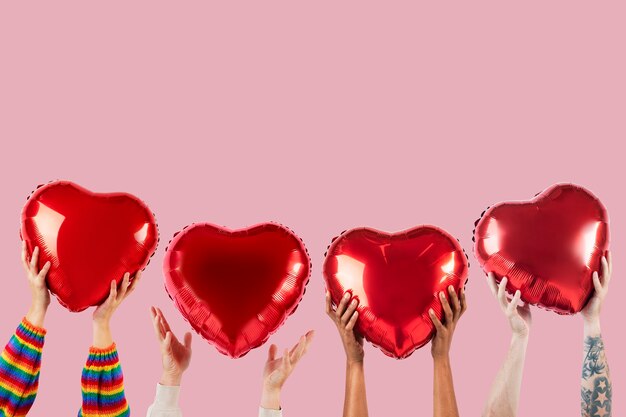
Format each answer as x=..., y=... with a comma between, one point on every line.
x=440, y=345
x=591, y=312
x=345, y=317
x=175, y=355
x=519, y=317
x=277, y=370
x=40, y=296
x=102, y=314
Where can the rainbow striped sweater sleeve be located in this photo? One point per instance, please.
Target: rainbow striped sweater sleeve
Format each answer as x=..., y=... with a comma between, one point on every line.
x=20, y=362
x=103, y=385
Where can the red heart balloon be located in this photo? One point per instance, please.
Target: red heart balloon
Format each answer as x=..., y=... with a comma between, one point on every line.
x=396, y=278
x=236, y=287
x=89, y=238
x=548, y=247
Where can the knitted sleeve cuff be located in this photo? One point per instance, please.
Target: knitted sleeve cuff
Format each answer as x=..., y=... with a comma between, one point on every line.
x=103, y=357
x=30, y=334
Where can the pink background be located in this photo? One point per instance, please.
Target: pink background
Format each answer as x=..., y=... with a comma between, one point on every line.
x=323, y=116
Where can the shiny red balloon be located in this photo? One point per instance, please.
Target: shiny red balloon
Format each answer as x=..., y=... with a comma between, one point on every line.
x=396, y=278
x=548, y=247
x=236, y=287
x=89, y=238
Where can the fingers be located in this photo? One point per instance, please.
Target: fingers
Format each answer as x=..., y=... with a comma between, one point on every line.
x=329, y=305
x=34, y=259
x=25, y=256
x=456, y=304
x=112, y=291
x=286, y=361
x=435, y=320
x=298, y=350
x=512, y=307
x=164, y=321
x=491, y=281
x=134, y=283
x=341, y=308
x=447, y=311
x=352, y=322
x=596, y=282
x=123, y=287
x=44, y=271
x=609, y=257
x=502, y=293
x=606, y=272
x=347, y=315
x=167, y=342
x=158, y=331
x=463, y=301
x=271, y=352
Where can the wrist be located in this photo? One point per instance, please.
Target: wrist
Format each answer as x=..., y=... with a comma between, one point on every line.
x=270, y=398
x=354, y=363
x=102, y=337
x=592, y=327
x=519, y=339
x=171, y=379
x=441, y=357
x=36, y=314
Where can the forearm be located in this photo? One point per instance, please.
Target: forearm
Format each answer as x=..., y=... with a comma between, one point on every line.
x=355, y=403
x=270, y=398
x=103, y=384
x=102, y=337
x=37, y=314
x=20, y=363
x=505, y=391
x=596, y=388
x=444, y=399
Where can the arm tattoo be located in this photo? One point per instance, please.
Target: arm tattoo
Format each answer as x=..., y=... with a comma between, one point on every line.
x=596, y=391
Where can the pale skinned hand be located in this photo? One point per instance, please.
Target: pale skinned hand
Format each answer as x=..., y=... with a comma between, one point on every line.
x=345, y=317
x=591, y=312
x=452, y=312
x=104, y=312
x=175, y=356
x=519, y=317
x=40, y=296
x=102, y=337
x=278, y=369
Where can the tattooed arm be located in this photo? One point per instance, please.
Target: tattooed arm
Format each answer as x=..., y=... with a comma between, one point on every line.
x=596, y=391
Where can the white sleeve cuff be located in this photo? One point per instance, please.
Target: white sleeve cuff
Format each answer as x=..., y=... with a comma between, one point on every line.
x=167, y=397
x=264, y=412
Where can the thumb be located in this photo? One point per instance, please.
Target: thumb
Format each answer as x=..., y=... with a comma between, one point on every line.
x=187, y=340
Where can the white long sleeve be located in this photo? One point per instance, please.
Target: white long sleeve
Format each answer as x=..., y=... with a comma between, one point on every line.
x=264, y=412
x=165, y=402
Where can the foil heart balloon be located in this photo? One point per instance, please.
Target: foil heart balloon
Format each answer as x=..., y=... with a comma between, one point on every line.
x=236, y=287
x=89, y=238
x=396, y=278
x=548, y=247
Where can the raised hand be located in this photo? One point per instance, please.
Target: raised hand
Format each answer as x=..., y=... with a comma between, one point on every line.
x=278, y=369
x=102, y=314
x=519, y=317
x=591, y=312
x=40, y=296
x=345, y=317
x=176, y=356
x=440, y=345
